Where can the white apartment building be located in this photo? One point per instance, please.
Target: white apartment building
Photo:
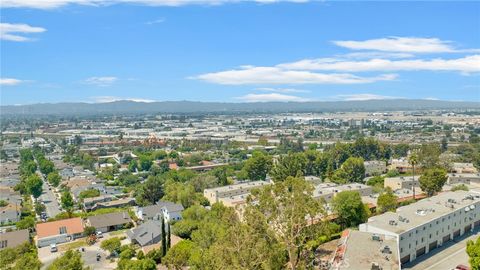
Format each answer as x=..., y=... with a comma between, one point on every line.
x=463, y=178
x=423, y=226
x=226, y=192
x=328, y=191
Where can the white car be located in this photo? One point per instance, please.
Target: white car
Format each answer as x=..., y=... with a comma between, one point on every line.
x=53, y=248
x=99, y=234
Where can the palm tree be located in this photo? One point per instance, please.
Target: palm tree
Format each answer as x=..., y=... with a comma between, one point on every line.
x=413, y=160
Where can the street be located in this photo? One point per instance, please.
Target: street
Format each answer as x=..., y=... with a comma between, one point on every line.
x=50, y=201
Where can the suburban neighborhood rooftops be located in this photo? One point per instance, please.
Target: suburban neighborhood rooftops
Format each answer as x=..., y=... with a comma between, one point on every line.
x=64, y=226
x=246, y=185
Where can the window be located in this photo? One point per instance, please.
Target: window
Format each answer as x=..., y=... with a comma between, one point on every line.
x=3, y=243
x=422, y=239
x=409, y=245
x=401, y=250
x=430, y=236
x=63, y=230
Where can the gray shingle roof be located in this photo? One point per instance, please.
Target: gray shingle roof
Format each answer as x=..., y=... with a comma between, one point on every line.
x=110, y=219
x=146, y=232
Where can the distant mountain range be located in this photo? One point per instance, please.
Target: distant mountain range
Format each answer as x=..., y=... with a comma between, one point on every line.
x=131, y=107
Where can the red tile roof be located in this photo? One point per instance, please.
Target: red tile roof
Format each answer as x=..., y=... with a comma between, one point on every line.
x=73, y=225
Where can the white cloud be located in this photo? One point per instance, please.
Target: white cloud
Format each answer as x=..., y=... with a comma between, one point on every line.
x=466, y=64
x=15, y=32
x=106, y=99
x=356, y=97
x=399, y=44
x=52, y=4
x=161, y=20
x=271, y=97
x=373, y=54
x=282, y=90
x=9, y=81
x=101, y=81
x=276, y=75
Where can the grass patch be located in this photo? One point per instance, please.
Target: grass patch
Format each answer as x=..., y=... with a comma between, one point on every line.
x=117, y=232
x=73, y=245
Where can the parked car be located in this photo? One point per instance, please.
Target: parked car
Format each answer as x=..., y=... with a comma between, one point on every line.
x=462, y=267
x=99, y=234
x=53, y=248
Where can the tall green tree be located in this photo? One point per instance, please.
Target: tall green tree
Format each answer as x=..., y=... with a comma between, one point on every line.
x=258, y=166
x=387, y=201
x=432, y=180
x=349, y=208
x=352, y=170
x=413, y=161
x=70, y=260
x=473, y=251
x=289, y=208
x=179, y=255
x=34, y=185
x=54, y=178
x=111, y=245
x=67, y=201
x=164, y=238
x=292, y=164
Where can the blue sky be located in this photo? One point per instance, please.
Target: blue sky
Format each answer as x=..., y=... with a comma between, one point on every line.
x=237, y=51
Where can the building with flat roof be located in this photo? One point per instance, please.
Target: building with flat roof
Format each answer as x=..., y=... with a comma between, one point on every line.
x=216, y=194
x=366, y=251
x=401, y=182
x=375, y=167
x=459, y=167
x=328, y=191
x=423, y=226
x=463, y=178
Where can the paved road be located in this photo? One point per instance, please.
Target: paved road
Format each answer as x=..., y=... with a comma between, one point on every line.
x=51, y=204
x=447, y=257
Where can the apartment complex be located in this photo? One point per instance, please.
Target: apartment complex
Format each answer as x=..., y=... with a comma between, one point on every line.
x=233, y=194
x=423, y=226
x=327, y=191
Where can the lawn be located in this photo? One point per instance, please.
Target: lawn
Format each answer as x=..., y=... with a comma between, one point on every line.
x=73, y=245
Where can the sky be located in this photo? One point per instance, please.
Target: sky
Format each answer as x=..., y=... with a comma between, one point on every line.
x=237, y=51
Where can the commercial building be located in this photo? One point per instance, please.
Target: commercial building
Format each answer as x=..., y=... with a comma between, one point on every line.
x=423, y=226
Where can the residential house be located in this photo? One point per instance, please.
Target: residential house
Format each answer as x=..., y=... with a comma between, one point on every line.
x=14, y=238
x=109, y=222
x=59, y=231
x=10, y=213
x=169, y=210
x=148, y=233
